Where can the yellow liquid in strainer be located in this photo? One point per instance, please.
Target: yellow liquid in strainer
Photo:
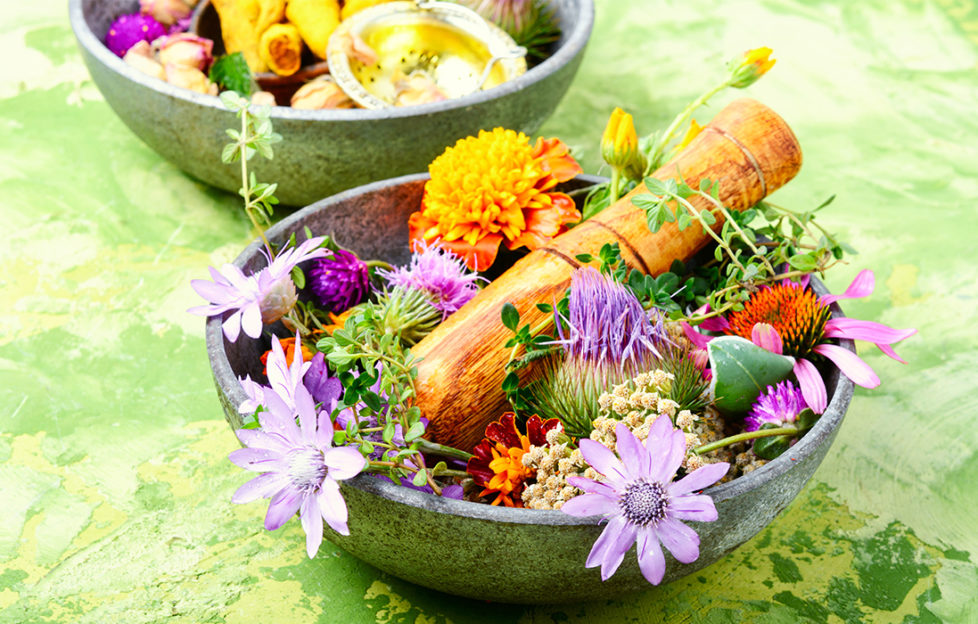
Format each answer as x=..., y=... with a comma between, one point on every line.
x=451, y=58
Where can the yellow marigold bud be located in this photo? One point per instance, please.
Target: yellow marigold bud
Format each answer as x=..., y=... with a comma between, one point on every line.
x=753, y=64
x=619, y=143
x=694, y=130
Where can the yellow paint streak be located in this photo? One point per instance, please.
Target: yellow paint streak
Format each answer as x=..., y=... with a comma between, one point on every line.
x=8, y=597
x=291, y=602
x=396, y=606
x=901, y=282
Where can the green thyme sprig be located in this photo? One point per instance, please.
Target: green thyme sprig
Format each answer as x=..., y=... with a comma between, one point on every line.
x=255, y=136
x=790, y=244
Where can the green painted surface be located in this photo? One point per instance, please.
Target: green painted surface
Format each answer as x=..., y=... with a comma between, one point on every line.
x=114, y=483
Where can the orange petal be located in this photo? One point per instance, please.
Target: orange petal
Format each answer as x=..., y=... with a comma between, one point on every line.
x=555, y=157
x=478, y=257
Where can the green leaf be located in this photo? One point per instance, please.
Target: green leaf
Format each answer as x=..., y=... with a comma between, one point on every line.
x=298, y=277
x=825, y=203
x=546, y=308
x=806, y=419
x=584, y=258
x=655, y=186
x=741, y=371
x=414, y=432
x=803, y=262
x=420, y=478
x=510, y=316
x=389, y=431
x=707, y=217
x=683, y=220
x=770, y=448
x=232, y=75
x=511, y=382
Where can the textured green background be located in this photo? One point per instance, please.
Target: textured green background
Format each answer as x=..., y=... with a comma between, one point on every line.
x=114, y=483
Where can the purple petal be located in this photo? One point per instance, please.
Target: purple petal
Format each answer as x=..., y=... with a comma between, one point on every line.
x=308, y=416
x=698, y=507
x=888, y=350
x=607, y=537
x=651, y=561
x=699, y=340
x=679, y=539
x=593, y=487
x=668, y=457
x=861, y=286
x=701, y=478
x=633, y=455
x=811, y=385
x=658, y=436
x=766, y=336
x=333, y=507
x=251, y=320
x=590, y=505
x=854, y=329
x=256, y=438
x=324, y=431
x=262, y=486
x=850, y=364
x=603, y=460
x=232, y=326
x=217, y=294
x=257, y=459
x=615, y=553
x=344, y=462
x=282, y=507
x=312, y=524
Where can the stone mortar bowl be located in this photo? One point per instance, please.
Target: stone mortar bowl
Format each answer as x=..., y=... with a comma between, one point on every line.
x=477, y=550
x=324, y=151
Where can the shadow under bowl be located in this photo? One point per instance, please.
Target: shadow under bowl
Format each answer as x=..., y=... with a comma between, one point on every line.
x=477, y=550
x=323, y=151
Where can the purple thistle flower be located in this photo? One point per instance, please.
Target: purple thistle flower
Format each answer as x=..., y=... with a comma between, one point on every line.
x=264, y=297
x=778, y=405
x=440, y=275
x=641, y=502
x=607, y=324
x=299, y=468
x=340, y=280
x=128, y=30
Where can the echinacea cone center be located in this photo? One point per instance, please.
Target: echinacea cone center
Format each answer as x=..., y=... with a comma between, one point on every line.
x=644, y=503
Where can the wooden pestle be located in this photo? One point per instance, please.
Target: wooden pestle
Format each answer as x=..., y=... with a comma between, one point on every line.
x=747, y=147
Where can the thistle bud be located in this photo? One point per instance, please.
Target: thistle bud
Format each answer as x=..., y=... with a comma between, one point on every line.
x=747, y=69
x=619, y=143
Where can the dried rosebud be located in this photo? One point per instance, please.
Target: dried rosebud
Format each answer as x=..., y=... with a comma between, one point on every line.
x=321, y=93
x=167, y=12
x=141, y=57
x=189, y=78
x=185, y=49
x=747, y=69
x=263, y=98
x=128, y=30
x=418, y=88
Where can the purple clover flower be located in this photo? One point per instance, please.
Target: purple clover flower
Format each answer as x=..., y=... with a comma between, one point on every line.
x=778, y=405
x=641, y=502
x=339, y=281
x=128, y=30
x=299, y=466
x=440, y=275
x=607, y=324
x=264, y=297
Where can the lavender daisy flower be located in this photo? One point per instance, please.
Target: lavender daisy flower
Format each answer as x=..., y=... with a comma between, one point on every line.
x=128, y=30
x=264, y=297
x=340, y=280
x=299, y=467
x=641, y=502
x=440, y=275
x=778, y=405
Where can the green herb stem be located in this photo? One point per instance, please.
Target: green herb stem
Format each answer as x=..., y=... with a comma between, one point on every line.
x=655, y=156
x=433, y=448
x=745, y=436
x=379, y=264
x=246, y=182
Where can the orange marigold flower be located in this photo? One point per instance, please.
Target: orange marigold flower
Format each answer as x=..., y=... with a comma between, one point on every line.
x=497, y=462
x=337, y=321
x=289, y=345
x=495, y=188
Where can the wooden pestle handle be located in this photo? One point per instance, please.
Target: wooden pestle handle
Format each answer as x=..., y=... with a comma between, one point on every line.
x=747, y=147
